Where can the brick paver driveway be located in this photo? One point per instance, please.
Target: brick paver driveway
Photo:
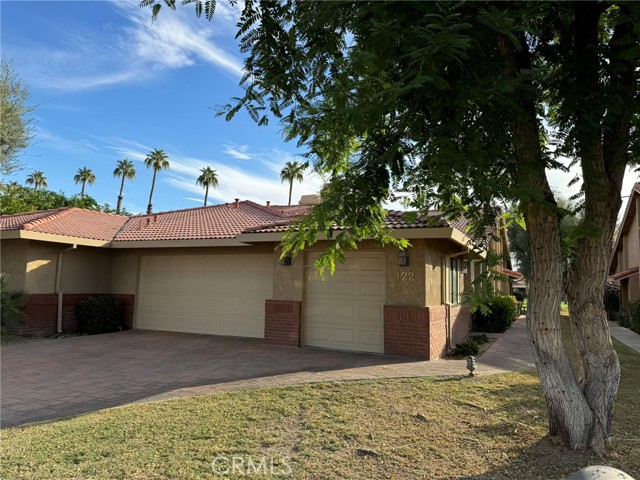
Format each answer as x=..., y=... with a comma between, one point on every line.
x=57, y=378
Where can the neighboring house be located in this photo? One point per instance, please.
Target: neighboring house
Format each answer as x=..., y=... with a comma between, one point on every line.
x=217, y=270
x=625, y=260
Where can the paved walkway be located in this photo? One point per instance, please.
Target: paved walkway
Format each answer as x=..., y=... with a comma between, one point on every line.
x=630, y=338
x=57, y=378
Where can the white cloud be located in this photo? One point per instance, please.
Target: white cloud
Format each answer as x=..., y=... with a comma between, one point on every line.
x=238, y=152
x=57, y=142
x=82, y=59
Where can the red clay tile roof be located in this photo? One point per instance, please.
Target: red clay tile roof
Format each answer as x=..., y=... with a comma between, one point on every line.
x=71, y=222
x=15, y=222
x=214, y=222
x=395, y=220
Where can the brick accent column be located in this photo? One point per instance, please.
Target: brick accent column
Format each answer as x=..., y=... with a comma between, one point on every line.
x=437, y=331
x=282, y=322
x=406, y=331
x=460, y=324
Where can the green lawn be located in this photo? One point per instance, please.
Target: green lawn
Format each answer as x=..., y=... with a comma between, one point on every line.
x=489, y=427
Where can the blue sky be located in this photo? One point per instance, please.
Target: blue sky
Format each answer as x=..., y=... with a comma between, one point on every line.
x=108, y=85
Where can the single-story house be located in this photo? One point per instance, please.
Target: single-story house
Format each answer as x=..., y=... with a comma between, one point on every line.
x=217, y=270
x=625, y=258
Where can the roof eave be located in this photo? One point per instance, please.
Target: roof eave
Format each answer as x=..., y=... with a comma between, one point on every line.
x=206, y=242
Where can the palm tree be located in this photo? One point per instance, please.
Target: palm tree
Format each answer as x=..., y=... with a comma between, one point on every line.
x=159, y=161
x=126, y=170
x=293, y=171
x=208, y=178
x=37, y=179
x=84, y=176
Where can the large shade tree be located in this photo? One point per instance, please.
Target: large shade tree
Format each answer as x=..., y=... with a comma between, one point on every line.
x=84, y=175
x=454, y=103
x=16, y=125
x=290, y=172
x=208, y=178
x=127, y=171
x=158, y=160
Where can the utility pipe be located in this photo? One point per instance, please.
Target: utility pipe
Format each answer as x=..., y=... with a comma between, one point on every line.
x=59, y=285
x=445, y=300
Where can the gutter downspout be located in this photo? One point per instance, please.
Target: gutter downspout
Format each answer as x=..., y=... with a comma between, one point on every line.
x=59, y=285
x=445, y=300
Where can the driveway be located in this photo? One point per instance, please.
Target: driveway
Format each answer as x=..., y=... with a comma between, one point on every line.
x=58, y=378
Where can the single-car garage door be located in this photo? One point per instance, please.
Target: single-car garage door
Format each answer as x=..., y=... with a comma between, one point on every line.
x=345, y=311
x=213, y=294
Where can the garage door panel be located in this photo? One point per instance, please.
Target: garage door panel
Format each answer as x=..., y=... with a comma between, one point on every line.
x=345, y=310
x=212, y=294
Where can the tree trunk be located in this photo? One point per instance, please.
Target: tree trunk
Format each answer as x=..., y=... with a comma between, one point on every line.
x=570, y=418
x=206, y=194
x=290, y=190
x=120, y=196
x=153, y=183
x=82, y=191
x=599, y=367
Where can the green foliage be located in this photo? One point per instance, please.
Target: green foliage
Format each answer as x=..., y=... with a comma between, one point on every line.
x=18, y=199
x=633, y=318
x=465, y=349
x=37, y=179
x=480, y=339
x=611, y=301
x=498, y=315
x=11, y=303
x=16, y=127
x=99, y=314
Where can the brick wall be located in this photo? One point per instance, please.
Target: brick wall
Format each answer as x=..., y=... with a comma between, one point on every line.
x=437, y=331
x=282, y=322
x=406, y=331
x=40, y=315
x=40, y=312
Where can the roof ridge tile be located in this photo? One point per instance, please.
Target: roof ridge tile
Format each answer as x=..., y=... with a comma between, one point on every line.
x=42, y=220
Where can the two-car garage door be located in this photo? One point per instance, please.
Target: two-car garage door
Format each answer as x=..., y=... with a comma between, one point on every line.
x=345, y=311
x=225, y=295
x=213, y=294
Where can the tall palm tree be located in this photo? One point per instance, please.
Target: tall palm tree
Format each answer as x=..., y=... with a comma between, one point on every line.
x=159, y=161
x=84, y=176
x=126, y=170
x=208, y=178
x=37, y=179
x=293, y=171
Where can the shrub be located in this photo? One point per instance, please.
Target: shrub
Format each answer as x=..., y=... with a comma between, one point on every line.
x=466, y=348
x=634, y=316
x=611, y=301
x=480, y=339
x=622, y=318
x=99, y=314
x=11, y=304
x=498, y=315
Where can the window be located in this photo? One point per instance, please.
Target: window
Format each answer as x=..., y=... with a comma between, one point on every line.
x=454, y=281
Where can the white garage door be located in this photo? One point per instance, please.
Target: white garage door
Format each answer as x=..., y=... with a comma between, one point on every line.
x=213, y=294
x=345, y=311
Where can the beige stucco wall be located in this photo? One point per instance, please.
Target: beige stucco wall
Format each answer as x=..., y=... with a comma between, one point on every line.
x=124, y=266
x=418, y=284
x=84, y=270
x=13, y=259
